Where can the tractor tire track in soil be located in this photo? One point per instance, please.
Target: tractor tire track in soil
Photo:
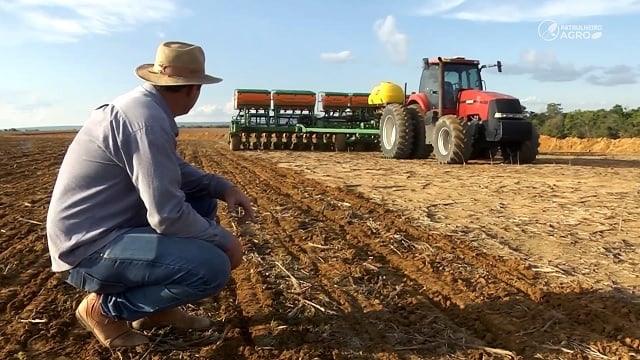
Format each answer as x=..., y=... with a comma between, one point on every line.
x=328, y=274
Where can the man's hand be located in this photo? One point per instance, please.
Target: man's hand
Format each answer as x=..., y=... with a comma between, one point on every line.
x=234, y=198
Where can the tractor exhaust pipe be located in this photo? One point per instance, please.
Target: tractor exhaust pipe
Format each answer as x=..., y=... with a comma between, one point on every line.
x=405, y=93
x=441, y=90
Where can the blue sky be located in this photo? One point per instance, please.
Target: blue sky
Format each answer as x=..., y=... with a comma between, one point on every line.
x=60, y=58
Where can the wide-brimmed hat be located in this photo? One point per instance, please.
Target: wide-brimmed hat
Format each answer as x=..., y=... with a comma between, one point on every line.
x=177, y=63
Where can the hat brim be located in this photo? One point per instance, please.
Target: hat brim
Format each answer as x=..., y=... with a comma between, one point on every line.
x=144, y=73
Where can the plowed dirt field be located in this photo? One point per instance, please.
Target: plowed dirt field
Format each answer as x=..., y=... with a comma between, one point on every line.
x=358, y=257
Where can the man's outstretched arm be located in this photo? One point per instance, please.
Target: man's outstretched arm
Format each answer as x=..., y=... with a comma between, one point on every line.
x=197, y=181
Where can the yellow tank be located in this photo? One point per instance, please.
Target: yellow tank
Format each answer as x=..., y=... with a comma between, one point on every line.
x=386, y=93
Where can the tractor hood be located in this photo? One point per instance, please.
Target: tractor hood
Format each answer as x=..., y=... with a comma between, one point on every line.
x=488, y=105
x=480, y=96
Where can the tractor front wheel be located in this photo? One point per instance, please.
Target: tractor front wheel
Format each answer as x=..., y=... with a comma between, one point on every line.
x=449, y=140
x=526, y=152
x=396, y=132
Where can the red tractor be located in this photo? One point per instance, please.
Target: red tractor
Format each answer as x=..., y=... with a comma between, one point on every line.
x=454, y=117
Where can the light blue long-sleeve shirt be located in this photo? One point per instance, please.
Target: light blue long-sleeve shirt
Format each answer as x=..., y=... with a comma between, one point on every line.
x=122, y=171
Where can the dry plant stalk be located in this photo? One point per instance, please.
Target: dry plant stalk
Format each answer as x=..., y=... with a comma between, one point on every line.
x=34, y=321
x=30, y=221
x=317, y=306
x=294, y=281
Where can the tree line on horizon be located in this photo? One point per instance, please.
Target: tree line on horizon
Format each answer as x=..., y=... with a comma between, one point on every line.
x=614, y=123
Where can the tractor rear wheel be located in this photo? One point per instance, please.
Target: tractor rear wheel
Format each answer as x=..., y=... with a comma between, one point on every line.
x=396, y=132
x=420, y=150
x=449, y=140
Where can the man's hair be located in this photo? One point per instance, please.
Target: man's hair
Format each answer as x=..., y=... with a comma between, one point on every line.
x=171, y=88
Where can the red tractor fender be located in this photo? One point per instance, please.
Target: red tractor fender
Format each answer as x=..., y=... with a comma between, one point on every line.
x=420, y=99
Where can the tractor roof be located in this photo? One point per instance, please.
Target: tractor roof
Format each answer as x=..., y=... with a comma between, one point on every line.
x=453, y=60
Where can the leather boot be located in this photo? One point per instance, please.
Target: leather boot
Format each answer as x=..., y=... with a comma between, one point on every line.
x=175, y=318
x=110, y=332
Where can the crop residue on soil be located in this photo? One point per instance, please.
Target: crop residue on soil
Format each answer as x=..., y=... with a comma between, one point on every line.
x=357, y=257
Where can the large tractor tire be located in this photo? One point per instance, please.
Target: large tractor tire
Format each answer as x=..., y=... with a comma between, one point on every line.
x=235, y=143
x=449, y=141
x=396, y=132
x=420, y=150
x=526, y=152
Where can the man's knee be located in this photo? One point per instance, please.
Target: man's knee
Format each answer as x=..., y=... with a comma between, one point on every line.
x=231, y=247
x=215, y=270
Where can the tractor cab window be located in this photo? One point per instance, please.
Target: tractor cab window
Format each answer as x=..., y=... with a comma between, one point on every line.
x=459, y=77
x=463, y=76
x=429, y=84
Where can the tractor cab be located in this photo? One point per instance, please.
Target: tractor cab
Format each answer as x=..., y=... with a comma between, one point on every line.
x=443, y=79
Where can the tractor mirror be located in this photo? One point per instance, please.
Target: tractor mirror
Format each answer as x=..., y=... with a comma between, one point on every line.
x=499, y=66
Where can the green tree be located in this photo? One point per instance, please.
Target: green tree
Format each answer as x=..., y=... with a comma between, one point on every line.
x=613, y=123
x=554, y=127
x=551, y=122
x=554, y=109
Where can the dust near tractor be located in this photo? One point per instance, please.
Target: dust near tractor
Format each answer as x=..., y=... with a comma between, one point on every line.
x=452, y=116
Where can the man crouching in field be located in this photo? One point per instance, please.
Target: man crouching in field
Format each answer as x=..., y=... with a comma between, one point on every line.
x=131, y=222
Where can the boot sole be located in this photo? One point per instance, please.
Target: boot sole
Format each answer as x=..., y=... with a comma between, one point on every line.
x=90, y=329
x=173, y=327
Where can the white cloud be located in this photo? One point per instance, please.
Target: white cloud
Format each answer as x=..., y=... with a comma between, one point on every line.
x=229, y=107
x=432, y=7
x=207, y=108
x=534, y=103
x=530, y=99
x=69, y=20
x=210, y=112
x=395, y=42
x=615, y=75
x=527, y=10
x=337, y=57
x=544, y=66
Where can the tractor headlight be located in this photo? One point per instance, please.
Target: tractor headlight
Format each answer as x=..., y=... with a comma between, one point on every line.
x=500, y=115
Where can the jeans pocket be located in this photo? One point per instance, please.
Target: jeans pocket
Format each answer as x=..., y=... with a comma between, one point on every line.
x=141, y=244
x=82, y=280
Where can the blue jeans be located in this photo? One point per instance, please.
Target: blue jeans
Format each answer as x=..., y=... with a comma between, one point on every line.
x=141, y=272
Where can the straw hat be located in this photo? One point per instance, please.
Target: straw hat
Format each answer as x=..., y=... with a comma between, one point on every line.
x=177, y=63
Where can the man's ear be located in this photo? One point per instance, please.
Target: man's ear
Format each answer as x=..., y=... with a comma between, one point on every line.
x=193, y=89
